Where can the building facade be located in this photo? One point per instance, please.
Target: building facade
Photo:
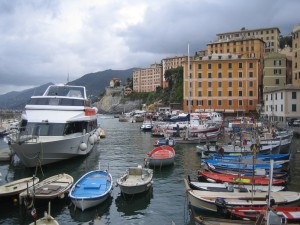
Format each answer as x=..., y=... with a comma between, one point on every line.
x=296, y=54
x=269, y=35
x=282, y=104
x=274, y=72
x=147, y=79
x=221, y=82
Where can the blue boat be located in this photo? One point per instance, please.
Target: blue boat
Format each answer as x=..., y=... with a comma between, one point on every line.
x=165, y=141
x=262, y=157
x=240, y=165
x=91, y=189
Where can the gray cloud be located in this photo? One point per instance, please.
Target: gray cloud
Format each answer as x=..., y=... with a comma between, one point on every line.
x=44, y=41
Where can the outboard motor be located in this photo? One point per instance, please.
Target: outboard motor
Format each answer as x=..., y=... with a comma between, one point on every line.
x=221, y=205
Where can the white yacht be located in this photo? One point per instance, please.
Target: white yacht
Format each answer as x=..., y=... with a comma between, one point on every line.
x=56, y=126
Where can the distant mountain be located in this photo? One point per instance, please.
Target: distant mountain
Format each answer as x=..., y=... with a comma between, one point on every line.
x=95, y=84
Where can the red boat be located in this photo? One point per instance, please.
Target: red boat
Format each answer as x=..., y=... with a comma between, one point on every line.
x=287, y=213
x=238, y=179
x=160, y=156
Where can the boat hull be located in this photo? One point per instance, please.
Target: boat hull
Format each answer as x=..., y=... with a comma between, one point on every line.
x=152, y=162
x=50, y=150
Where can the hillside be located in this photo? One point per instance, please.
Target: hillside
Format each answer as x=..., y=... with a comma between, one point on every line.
x=95, y=84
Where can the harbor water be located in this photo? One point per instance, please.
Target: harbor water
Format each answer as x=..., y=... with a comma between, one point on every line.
x=125, y=145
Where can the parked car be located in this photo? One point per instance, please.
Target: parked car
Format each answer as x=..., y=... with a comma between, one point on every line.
x=291, y=121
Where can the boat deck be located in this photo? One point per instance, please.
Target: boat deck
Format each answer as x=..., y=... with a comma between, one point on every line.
x=91, y=186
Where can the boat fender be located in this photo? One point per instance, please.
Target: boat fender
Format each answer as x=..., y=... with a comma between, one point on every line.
x=95, y=138
x=83, y=146
x=91, y=139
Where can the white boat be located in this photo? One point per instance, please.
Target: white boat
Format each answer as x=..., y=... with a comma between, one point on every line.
x=91, y=189
x=17, y=186
x=53, y=187
x=56, y=126
x=147, y=125
x=47, y=219
x=211, y=201
x=136, y=180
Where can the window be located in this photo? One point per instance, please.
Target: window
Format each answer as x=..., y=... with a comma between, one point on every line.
x=240, y=93
x=219, y=102
x=219, y=84
x=219, y=93
x=250, y=83
x=281, y=108
x=277, y=81
x=294, y=95
x=250, y=93
x=209, y=93
x=294, y=107
x=250, y=102
x=281, y=95
x=240, y=65
x=209, y=102
x=200, y=102
x=230, y=102
x=240, y=102
x=240, y=74
x=229, y=65
x=250, y=74
x=209, y=66
x=229, y=74
x=209, y=84
x=220, y=75
x=229, y=84
x=229, y=93
x=199, y=84
x=199, y=66
x=240, y=83
x=209, y=75
x=199, y=93
x=251, y=65
x=219, y=66
x=199, y=75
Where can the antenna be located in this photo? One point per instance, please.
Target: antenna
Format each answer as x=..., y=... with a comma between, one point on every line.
x=68, y=78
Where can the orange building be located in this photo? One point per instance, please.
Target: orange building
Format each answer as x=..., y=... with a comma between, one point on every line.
x=222, y=82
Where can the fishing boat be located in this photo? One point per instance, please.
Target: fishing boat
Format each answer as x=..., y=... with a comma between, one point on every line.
x=230, y=187
x=56, y=126
x=215, y=201
x=160, y=156
x=288, y=213
x=147, y=125
x=238, y=178
x=241, y=157
x=47, y=219
x=165, y=141
x=53, y=187
x=91, y=189
x=136, y=180
x=16, y=187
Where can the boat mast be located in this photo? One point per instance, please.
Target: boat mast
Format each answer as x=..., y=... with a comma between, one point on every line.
x=189, y=81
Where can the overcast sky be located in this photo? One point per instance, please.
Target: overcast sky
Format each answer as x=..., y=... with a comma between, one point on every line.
x=45, y=40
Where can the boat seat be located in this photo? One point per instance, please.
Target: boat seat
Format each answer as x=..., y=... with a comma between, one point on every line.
x=92, y=186
x=135, y=171
x=47, y=189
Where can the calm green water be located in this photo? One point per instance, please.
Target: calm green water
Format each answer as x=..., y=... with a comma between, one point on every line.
x=125, y=145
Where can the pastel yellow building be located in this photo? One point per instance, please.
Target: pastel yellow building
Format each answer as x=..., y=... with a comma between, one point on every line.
x=222, y=82
x=296, y=55
x=147, y=79
x=269, y=35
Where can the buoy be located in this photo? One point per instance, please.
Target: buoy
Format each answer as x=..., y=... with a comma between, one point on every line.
x=83, y=146
x=95, y=138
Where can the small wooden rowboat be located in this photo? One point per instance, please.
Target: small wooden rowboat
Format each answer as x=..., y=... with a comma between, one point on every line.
x=17, y=186
x=53, y=187
x=160, y=156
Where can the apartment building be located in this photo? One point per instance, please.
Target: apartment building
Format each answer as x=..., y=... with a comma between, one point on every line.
x=275, y=71
x=147, y=79
x=269, y=35
x=222, y=82
x=282, y=104
x=248, y=47
x=296, y=54
x=171, y=63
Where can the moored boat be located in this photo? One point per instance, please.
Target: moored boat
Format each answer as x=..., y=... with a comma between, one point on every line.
x=58, y=125
x=136, y=180
x=46, y=220
x=160, y=156
x=91, y=189
x=16, y=187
